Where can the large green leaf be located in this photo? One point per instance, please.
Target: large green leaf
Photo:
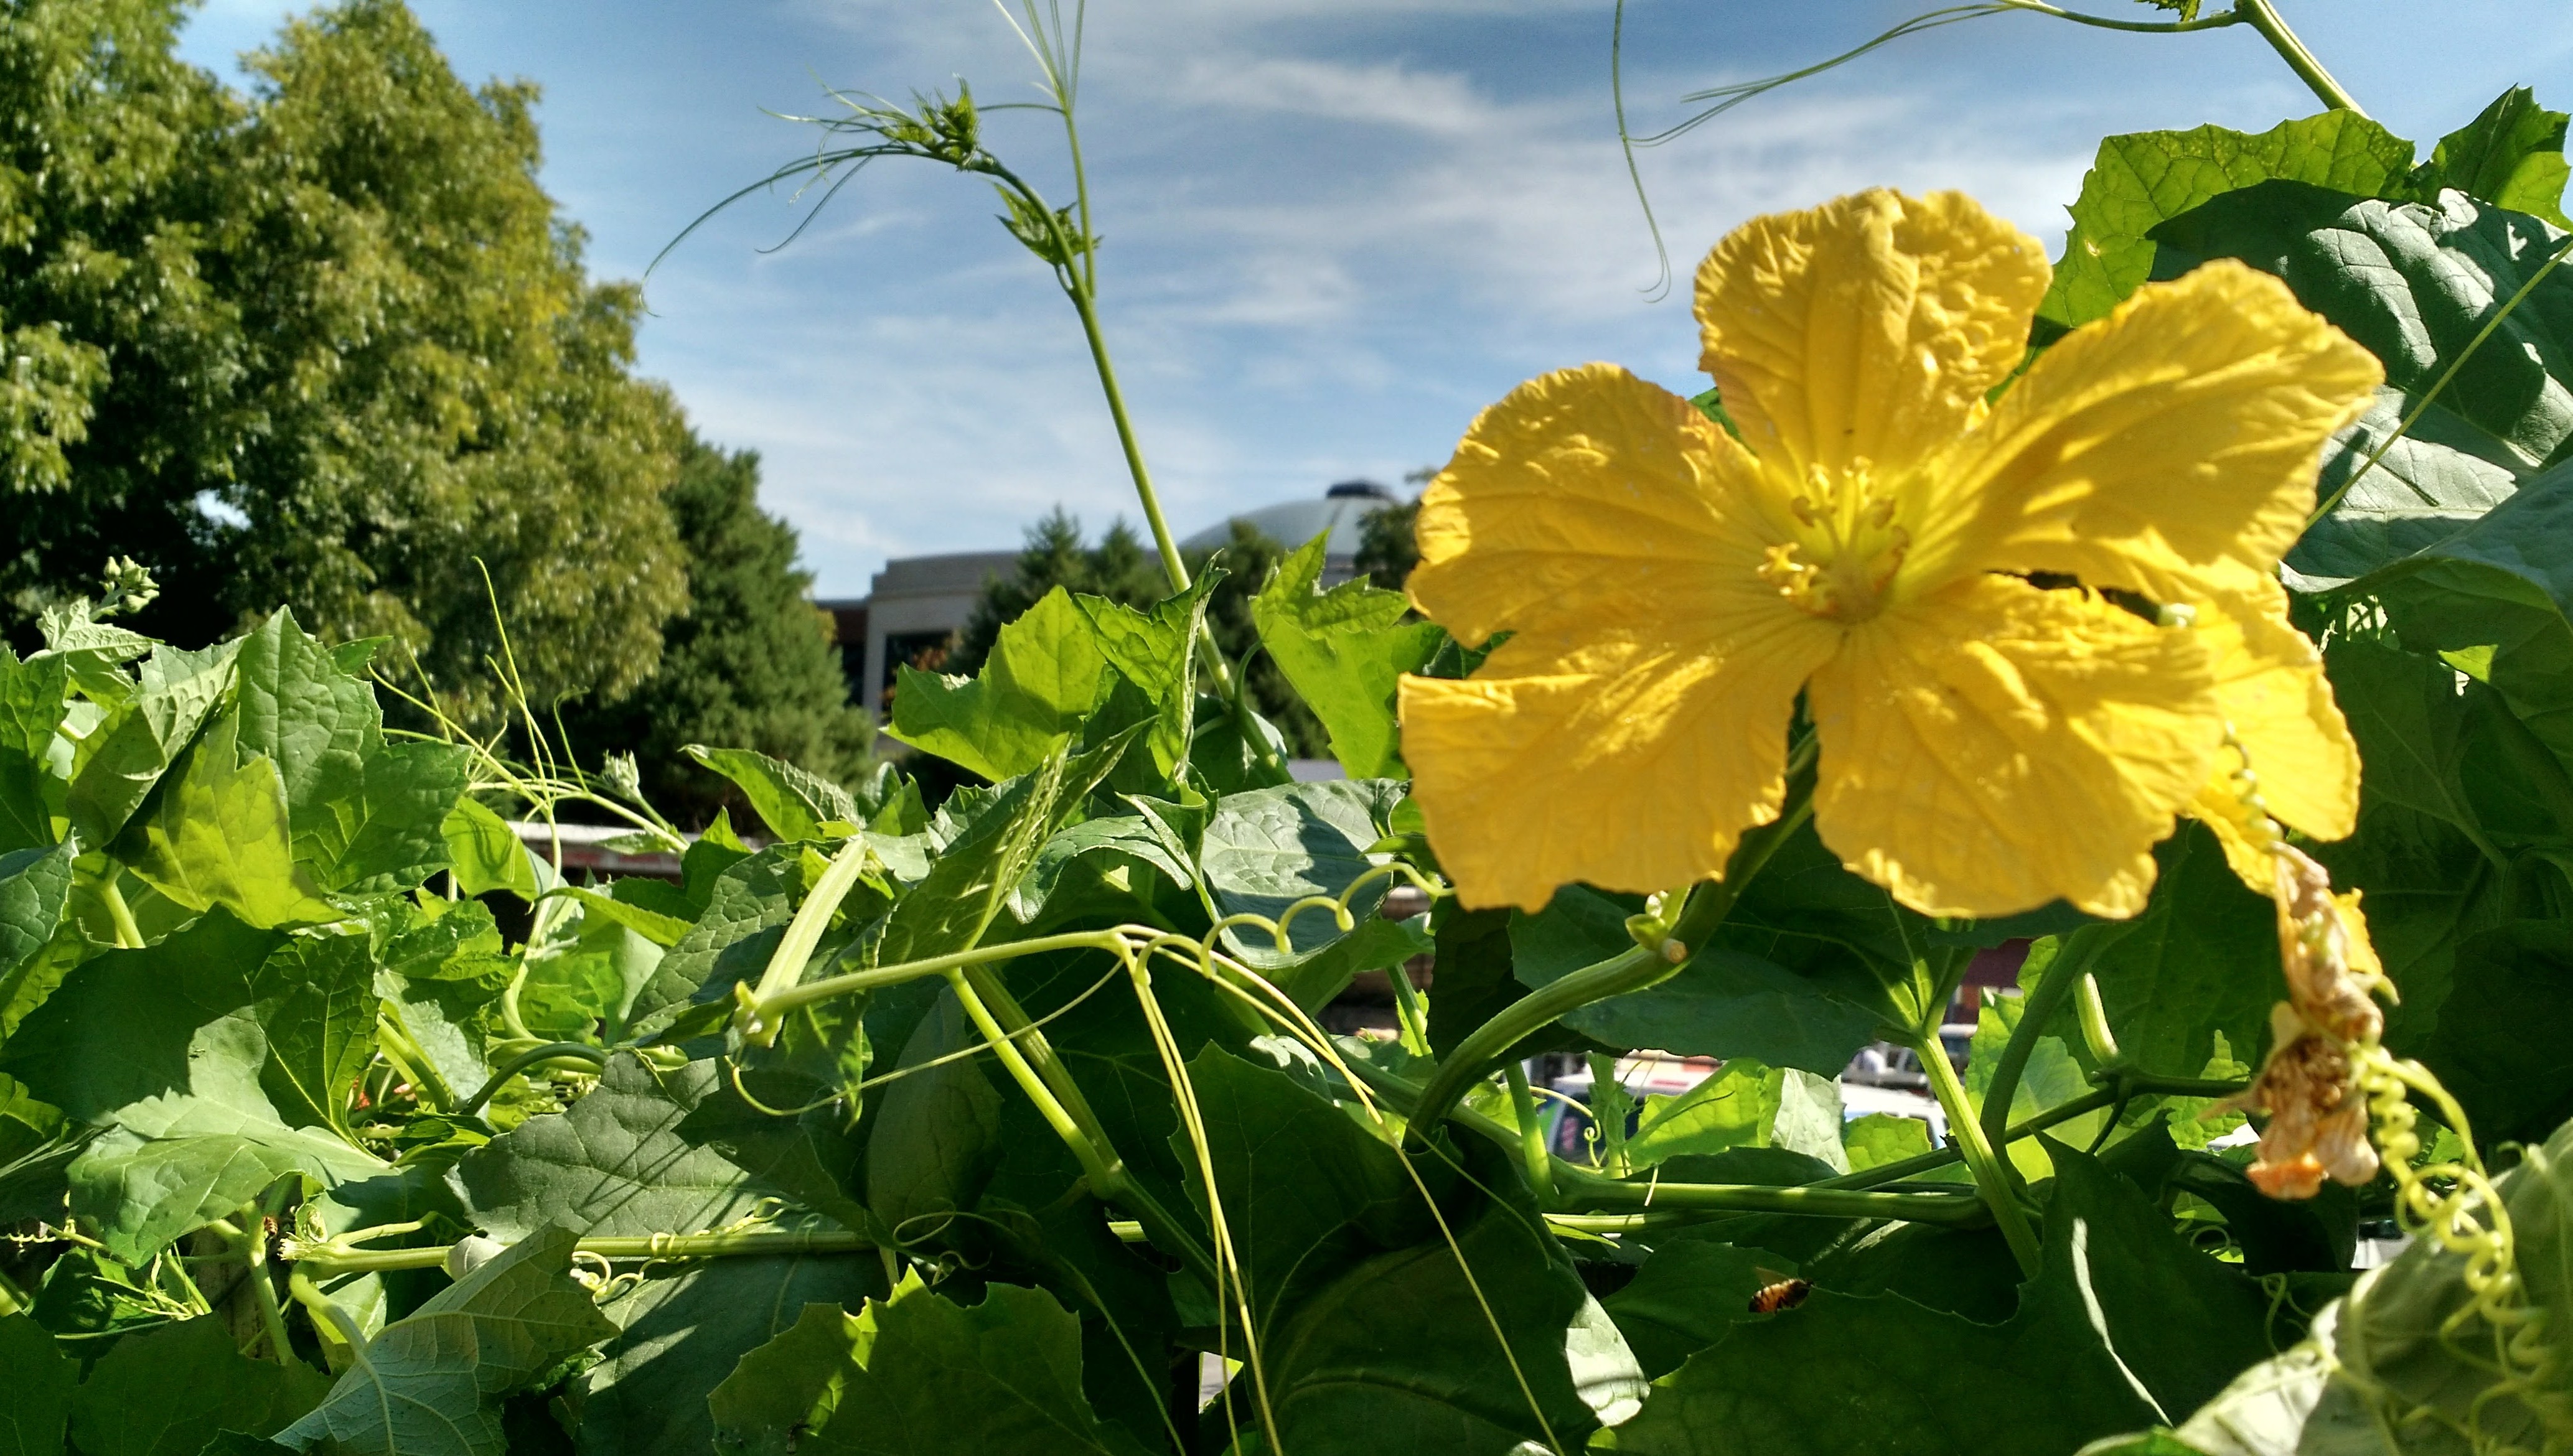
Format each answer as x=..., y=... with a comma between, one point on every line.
x=318, y=999
x=611, y=1163
x=2416, y=284
x=793, y=803
x=218, y=833
x=939, y=1378
x=1265, y=849
x=484, y=853
x=297, y=707
x=2512, y=155
x=1371, y=1338
x=2123, y=1322
x=1746, y=1106
x=787, y=1386
x=1156, y=652
x=1346, y=650
x=35, y=889
x=2387, y=1357
x=2144, y=178
x=389, y=832
x=681, y=1334
x=935, y=1132
x=39, y=1383
x=431, y=1384
x=1724, y=1002
x=1687, y=1296
x=171, y=1164
x=31, y=704
x=1044, y=678
x=121, y=759
x=2201, y=962
x=167, y=1392
x=746, y=913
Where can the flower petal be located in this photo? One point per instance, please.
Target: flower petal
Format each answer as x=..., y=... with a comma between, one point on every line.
x=2188, y=423
x=1997, y=747
x=1626, y=761
x=2271, y=687
x=1584, y=498
x=1870, y=326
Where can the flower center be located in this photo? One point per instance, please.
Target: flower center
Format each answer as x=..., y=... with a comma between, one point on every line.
x=1846, y=546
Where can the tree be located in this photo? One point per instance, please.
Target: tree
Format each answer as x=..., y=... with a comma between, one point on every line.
x=1387, y=550
x=748, y=663
x=327, y=345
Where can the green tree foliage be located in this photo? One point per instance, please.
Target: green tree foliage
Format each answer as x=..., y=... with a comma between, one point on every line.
x=323, y=344
x=1387, y=550
x=749, y=661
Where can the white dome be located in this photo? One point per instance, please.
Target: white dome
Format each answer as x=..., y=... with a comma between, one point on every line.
x=1291, y=523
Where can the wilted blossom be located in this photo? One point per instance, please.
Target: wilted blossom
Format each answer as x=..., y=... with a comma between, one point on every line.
x=2311, y=1086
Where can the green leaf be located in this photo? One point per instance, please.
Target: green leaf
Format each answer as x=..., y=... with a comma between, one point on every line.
x=40, y=1383
x=2202, y=961
x=1374, y=1341
x=1746, y=1106
x=431, y=1384
x=1265, y=849
x=125, y=756
x=935, y=1132
x=2144, y=178
x=611, y=1163
x=35, y=889
x=2122, y=1323
x=944, y=1379
x=789, y=1386
x=219, y=835
x=1723, y=1002
x=793, y=803
x=683, y=1333
x=1346, y=651
x=988, y=861
x=1690, y=1295
x=179, y=1018
x=1156, y=652
x=661, y=930
x=1882, y=1138
x=2389, y=1351
x=299, y=708
x=2511, y=155
x=317, y=999
x=167, y=1392
x=483, y=852
x=173, y=1164
x=747, y=911
x=31, y=704
x=390, y=832
x=1045, y=677
x=2415, y=283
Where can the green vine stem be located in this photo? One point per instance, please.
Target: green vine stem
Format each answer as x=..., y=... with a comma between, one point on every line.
x=1992, y=1179
x=1538, y=1162
x=2264, y=17
x=331, y=1258
x=1583, y=1187
x=1708, y=905
x=550, y=1051
x=2097, y=1038
x=249, y=1239
x=1033, y=1065
x=2070, y=969
x=804, y=933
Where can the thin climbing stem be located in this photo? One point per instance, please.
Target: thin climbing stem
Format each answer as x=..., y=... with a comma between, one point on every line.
x=1538, y=1162
x=1992, y=1181
x=2072, y=967
x=2262, y=16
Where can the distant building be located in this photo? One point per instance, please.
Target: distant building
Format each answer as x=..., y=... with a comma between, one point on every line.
x=919, y=603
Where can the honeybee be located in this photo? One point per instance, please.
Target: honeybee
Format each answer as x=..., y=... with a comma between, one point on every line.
x=1783, y=1295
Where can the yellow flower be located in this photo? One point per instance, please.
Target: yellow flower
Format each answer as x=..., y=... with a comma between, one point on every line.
x=1930, y=571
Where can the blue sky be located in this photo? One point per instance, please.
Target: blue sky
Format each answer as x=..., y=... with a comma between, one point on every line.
x=1334, y=229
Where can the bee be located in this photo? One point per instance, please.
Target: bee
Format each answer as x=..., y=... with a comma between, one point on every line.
x=1784, y=1295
